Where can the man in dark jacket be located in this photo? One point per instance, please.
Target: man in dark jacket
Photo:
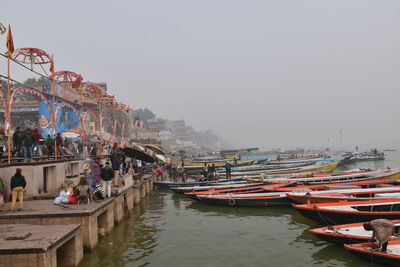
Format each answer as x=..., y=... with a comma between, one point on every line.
x=49, y=145
x=107, y=174
x=60, y=144
x=17, y=186
x=28, y=141
x=17, y=142
x=116, y=161
x=228, y=170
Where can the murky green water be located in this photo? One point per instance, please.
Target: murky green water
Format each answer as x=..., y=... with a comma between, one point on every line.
x=170, y=230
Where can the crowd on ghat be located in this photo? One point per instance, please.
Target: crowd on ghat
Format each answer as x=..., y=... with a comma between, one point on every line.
x=96, y=183
x=29, y=143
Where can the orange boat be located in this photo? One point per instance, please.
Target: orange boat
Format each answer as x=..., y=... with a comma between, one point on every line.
x=240, y=190
x=329, y=196
x=347, y=233
x=351, y=211
x=366, y=251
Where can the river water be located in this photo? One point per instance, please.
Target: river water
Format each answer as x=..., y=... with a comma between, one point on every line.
x=171, y=230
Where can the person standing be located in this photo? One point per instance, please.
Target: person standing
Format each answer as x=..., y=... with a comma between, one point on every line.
x=116, y=161
x=3, y=142
x=28, y=141
x=98, y=147
x=37, y=137
x=17, y=185
x=213, y=168
x=49, y=145
x=17, y=142
x=159, y=172
x=96, y=169
x=228, y=170
x=382, y=230
x=107, y=174
x=60, y=144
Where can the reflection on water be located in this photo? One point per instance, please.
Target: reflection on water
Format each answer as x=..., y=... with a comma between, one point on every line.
x=133, y=240
x=172, y=230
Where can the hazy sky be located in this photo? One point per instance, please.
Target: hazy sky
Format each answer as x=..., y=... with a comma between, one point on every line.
x=280, y=73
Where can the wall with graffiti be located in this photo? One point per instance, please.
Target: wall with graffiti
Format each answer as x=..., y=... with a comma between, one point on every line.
x=67, y=119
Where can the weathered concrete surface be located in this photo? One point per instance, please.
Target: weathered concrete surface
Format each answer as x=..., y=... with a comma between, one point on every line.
x=43, y=212
x=123, y=202
x=42, y=177
x=51, y=245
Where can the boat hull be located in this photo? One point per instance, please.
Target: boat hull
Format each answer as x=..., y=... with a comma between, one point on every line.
x=347, y=233
x=364, y=250
x=167, y=184
x=335, y=217
x=234, y=202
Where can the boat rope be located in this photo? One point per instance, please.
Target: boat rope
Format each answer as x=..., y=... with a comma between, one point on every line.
x=325, y=220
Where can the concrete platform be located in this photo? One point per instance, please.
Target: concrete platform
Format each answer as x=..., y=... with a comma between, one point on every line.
x=52, y=245
x=43, y=212
x=123, y=202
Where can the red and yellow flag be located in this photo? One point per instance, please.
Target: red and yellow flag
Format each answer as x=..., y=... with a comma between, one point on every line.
x=10, y=42
x=52, y=66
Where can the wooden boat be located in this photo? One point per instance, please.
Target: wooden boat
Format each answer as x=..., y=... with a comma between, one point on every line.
x=240, y=190
x=199, y=188
x=294, y=176
x=329, y=196
x=220, y=163
x=343, y=185
x=347, y=233
x=293, y=161
x=256, y=168
x=350, y=212
x=310, y=168
x=335, y=178
x=170, y=184
x=254, y=199
x=366, y=251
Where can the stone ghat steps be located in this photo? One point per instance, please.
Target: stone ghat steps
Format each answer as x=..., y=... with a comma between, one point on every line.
x=94, y=220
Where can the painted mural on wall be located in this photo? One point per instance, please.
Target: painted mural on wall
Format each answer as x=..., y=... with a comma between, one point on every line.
x=67, y=119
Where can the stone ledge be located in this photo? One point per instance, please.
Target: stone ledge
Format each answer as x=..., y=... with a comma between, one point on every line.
x=43, y=238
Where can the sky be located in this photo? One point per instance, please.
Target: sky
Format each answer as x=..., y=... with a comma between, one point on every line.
x=259, y=73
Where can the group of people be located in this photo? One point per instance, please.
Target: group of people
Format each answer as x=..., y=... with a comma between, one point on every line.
x=209, y=173
x=28, y=144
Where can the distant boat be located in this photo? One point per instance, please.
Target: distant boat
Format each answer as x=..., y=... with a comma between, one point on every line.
x=336, y=178
x=310, y=168
x=367, y=156
x=366, y=251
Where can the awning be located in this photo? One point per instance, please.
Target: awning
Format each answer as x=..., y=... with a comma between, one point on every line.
x=137, y=154
x=155, y=148
x=161, y=158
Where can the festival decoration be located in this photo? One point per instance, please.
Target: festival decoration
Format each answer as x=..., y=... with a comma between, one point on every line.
x=3, y=29
x=66, y=76
x=29, y=55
